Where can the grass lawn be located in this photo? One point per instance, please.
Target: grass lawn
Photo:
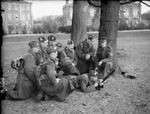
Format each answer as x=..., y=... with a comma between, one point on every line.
x=119, y=96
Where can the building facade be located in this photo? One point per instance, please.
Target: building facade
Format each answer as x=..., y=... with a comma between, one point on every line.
x=16, y=17
x=130, y=13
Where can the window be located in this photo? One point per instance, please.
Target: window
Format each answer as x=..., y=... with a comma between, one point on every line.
x=28, y=17
x=28, y=8
x=16, y=7
x=9, y=16
x=126, y=13
x=9, y=7
x=91, y=12
x=135, y=13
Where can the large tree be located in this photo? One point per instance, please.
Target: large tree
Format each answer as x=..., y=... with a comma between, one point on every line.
x=79, y=20
x=108, y=20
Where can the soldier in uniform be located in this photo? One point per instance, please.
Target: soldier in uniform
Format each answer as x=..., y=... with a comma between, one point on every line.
x=50, y=85
x=104, y=58
x=85, y=54
x=87, y=82
x=68, y=59
x=26, y=81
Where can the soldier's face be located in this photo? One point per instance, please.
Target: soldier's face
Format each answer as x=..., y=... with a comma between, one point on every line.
x=54, y=54
x=71, y=45
x=103, y=43
x=44, y=44
x=94, y=78
x=36, y=49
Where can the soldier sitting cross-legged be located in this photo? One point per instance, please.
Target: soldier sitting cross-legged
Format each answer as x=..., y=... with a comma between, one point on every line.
x=104, y=58
x=68, y=60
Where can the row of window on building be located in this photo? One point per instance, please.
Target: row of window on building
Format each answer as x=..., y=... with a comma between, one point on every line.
x=18, y=7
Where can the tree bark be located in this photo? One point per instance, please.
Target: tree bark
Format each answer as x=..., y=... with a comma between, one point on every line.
x=79, y=20
x=109, y=23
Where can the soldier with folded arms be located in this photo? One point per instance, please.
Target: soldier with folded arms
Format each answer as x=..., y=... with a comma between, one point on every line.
x=85, y=54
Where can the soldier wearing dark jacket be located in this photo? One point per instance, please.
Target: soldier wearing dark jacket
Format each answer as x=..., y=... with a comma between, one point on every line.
x=104, y=58
x=50, y=85
x=68, y=60
x=26, y=81
x=85, y=54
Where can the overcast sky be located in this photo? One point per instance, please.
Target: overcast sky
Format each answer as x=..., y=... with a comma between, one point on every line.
x=54, y=7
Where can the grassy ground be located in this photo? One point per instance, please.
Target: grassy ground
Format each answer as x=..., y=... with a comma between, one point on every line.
x=119, y=96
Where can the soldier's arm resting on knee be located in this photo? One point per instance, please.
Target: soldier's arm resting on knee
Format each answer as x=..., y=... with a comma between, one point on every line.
x=79, y=52
x=110, y=55
x=50, y=71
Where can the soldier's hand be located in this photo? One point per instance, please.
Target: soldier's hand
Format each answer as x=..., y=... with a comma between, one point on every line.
x=73, y=64
x=56, y=63
x=87, y=56
x=100, y=63
x=95, y=84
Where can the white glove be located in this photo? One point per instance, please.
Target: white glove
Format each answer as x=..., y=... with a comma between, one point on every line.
x=57, y=80
x=96, y=84
x=100, y=63
x=73, y=64
x=87, y=57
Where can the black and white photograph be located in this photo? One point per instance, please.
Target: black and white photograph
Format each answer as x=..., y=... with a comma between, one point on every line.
x=75, y=57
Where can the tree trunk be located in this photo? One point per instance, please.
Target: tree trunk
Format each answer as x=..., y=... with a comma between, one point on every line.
x=109, y=23
x=79, y=27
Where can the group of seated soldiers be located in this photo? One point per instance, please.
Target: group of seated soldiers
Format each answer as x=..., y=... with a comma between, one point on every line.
x=49, y=70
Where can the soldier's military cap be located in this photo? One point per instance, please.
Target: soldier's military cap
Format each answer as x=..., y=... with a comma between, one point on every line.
x=51, y=38
x=103, y=38
x=70, y=42
x=90, y=37
x=58, y=45
x=33, y=44
x=42, y=39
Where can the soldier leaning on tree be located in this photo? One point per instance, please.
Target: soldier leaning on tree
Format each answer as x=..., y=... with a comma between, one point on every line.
x=85, y=54
x=104, y=58
x=68, y=59
x=26, y=84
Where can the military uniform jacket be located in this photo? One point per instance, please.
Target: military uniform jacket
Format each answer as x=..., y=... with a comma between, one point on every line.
x=84, y=83
x=104, y=54
x=67, y=56
x=26, y=81
x=84, y=48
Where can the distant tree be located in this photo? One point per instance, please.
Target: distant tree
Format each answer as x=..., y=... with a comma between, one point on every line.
x=10, y=29
x=146, y=16
x=49, y=25
x=60, y=21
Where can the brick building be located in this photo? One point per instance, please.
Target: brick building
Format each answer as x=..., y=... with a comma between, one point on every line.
x=16, y=17
x=130, y=13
